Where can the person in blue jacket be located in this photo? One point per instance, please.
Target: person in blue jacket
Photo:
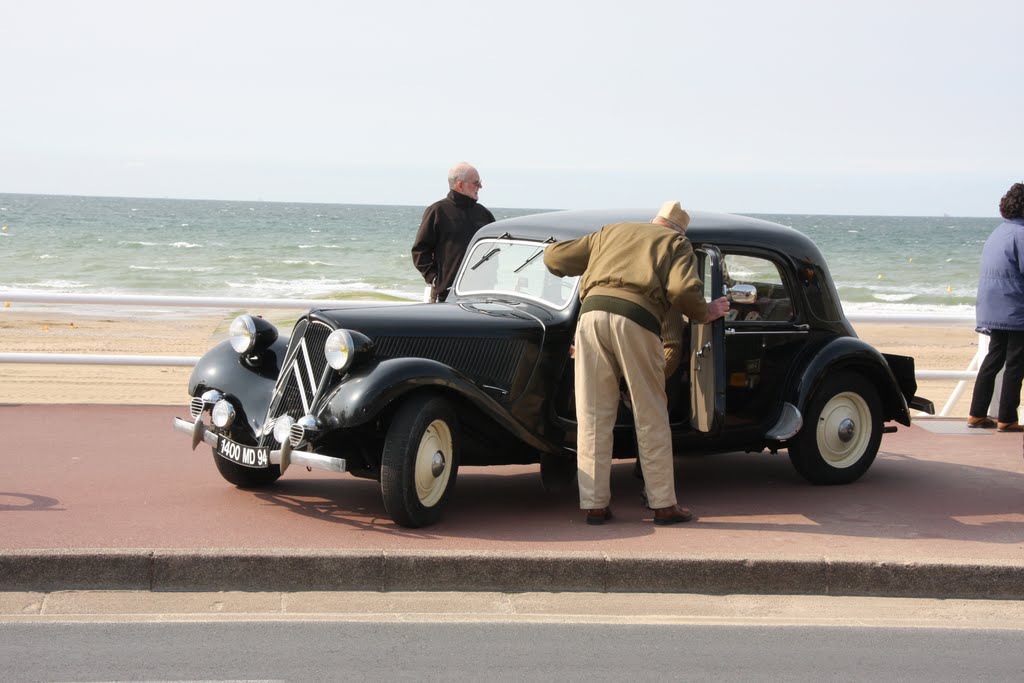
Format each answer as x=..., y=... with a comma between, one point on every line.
x=1000, y=311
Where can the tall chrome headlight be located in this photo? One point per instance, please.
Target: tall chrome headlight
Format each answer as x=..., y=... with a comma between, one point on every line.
x=242, y=333
x=339, y=349
x=249, y=333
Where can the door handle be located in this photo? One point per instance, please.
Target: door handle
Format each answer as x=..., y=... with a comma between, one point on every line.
x=699, y=354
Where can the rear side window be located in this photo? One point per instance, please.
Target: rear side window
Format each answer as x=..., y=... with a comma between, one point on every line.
x=773, y=302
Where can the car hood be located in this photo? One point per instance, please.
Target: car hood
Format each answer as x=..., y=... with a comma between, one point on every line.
x=494, y=344
x=475, y=318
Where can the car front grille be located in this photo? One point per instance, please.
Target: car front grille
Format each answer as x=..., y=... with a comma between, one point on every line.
x=301, y=376
x=484, y=360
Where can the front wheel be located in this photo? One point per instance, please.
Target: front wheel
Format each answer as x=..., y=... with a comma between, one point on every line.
x=842, y=431
x=420, y=461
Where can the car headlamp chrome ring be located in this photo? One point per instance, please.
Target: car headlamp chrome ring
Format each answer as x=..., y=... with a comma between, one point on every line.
x=251, y=334
x=242, y=333
x=283, y=427
x=339, y=349
x=223, y=414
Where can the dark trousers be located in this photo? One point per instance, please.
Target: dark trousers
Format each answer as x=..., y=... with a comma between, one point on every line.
x=1004, y=348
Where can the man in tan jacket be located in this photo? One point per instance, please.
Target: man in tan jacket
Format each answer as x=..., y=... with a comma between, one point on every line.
x=632, y=274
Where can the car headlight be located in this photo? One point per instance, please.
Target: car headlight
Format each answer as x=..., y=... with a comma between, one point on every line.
x=223, y=414
x=250, y=333
x=339, y=349
x=342, y=347
x=283, y=428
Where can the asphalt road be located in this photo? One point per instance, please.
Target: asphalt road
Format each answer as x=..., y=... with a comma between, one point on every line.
x=496, y=651
x=114, y=636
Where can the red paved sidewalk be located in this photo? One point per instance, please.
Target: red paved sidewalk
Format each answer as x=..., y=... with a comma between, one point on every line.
x=101, y=477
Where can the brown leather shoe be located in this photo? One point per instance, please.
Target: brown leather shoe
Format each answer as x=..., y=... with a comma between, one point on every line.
x=981, y=422
x=599, y=515
x=673, y=514
x=1009, y=427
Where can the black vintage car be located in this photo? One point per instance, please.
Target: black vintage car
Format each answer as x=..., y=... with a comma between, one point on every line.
x=406, y=394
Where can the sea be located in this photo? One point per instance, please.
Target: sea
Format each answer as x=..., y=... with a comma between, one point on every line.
x=182, y=247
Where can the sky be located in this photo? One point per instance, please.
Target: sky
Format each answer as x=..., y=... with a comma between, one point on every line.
x=844, y=107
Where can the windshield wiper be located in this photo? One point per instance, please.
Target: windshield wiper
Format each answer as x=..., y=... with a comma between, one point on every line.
x=483, y=258
x=534, y=255
x=491, y=253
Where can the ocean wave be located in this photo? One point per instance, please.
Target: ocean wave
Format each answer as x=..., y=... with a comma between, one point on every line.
x=886, y=292
x=906, y=309
x=175, y=269
x=135, y=243
x=314, y=288
x=293, y=262
x=184, y=245
x=55, y=286
x=44, y=257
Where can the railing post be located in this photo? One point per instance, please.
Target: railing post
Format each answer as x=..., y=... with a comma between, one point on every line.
x=958, y=390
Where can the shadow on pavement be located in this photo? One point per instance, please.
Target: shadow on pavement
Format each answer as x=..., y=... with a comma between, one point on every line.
x=901, y=497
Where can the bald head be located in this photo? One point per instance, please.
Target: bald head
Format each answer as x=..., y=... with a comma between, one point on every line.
x=465, y=179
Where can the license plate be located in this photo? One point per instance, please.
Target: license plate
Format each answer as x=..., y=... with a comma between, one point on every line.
x=246, y=456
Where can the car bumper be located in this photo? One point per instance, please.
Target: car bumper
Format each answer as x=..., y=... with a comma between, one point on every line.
x=284, y=457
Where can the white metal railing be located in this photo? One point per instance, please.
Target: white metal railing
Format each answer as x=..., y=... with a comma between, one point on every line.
x=963, y=376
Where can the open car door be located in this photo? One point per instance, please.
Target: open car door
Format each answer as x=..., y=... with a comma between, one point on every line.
x=707, y=352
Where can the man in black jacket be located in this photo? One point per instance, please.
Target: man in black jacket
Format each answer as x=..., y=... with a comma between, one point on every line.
x=446, y=229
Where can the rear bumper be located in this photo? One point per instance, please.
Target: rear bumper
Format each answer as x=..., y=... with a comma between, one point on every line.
x=922, y=404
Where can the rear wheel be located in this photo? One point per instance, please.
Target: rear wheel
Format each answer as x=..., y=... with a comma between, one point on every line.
x=842, y=431
x=420, y=461
x=246, y=477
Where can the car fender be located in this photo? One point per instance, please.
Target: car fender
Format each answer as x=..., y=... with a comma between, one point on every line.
x=249, y=383
x=851, y=353
x=369, y=389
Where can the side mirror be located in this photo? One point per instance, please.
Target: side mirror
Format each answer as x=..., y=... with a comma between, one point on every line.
x=742, y=294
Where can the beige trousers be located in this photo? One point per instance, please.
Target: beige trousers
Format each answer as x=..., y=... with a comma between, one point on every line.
x=608, y=347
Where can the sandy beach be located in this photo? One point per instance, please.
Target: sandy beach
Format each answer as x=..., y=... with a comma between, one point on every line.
x=933, y=348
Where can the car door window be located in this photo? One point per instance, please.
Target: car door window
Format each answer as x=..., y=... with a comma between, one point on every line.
x=772, y=302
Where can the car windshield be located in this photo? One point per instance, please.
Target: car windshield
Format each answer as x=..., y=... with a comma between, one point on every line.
x=506, y=266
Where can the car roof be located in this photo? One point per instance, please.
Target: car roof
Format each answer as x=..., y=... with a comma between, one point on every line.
x=722, y=229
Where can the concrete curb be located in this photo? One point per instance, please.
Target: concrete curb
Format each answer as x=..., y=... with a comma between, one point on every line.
x=297, y=570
